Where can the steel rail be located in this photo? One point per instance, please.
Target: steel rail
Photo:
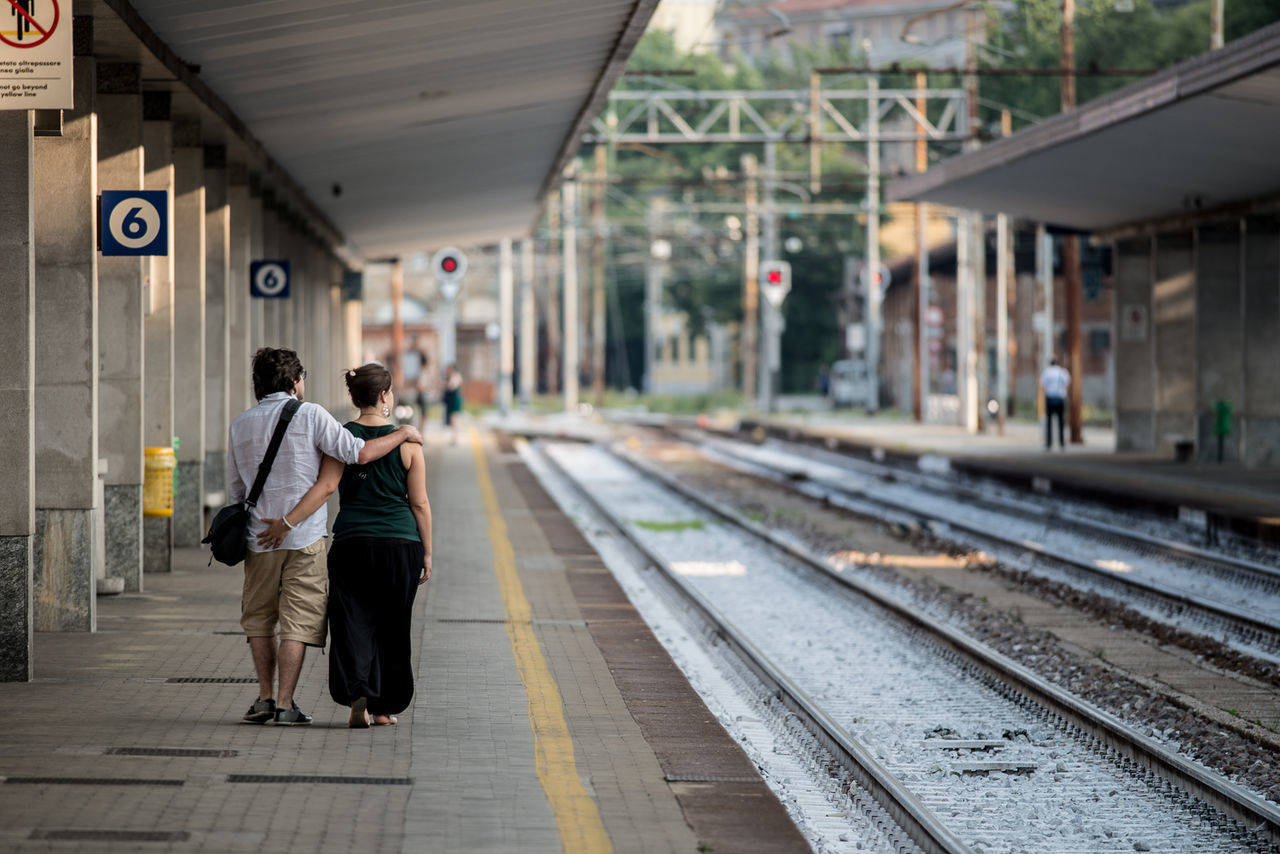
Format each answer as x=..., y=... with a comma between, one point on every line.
x=1255, y=813
x=1261, y=627
x=915, y=819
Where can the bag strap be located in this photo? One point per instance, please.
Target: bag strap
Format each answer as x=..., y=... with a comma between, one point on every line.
x=265, y=467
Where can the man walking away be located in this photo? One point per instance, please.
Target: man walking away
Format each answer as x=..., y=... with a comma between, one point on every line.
x=286, y=585
x=1054, y=381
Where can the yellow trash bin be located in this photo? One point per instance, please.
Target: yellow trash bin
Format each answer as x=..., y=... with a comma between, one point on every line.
x=157, y=489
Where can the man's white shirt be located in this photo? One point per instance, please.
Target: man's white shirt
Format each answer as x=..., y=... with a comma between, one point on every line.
x=1054, y=381
x=312, y=433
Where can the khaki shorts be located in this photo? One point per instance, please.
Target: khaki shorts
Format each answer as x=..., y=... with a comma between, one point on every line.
x=290, y=586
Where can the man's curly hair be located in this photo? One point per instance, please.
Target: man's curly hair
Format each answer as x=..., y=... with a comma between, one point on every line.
x=275, y=370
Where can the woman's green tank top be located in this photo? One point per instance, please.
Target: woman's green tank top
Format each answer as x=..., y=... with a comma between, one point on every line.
x=374, y=497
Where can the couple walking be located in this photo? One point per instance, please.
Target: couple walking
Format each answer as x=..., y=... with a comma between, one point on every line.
x=380, y=555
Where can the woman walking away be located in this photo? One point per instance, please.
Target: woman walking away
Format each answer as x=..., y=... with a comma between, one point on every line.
x=381, y=553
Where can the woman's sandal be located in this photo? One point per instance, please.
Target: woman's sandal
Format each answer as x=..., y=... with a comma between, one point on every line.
x=359, y=718
x=385, y=720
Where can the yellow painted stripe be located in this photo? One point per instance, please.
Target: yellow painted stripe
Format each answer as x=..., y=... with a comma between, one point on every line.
x=577, y=816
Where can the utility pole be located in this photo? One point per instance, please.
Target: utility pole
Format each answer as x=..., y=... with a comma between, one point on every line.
x=506, y=325
x=769, y=250
x=750, y=282
x=570, y=247
x=1071, y=247
x=597, y=275
x=1044, y=277
x=1215, y=24
x=1004, y=276
x=920, y=289
x=657, y=259
x=397, y=325
x=874, y=285
x=528, y=326
x=553, y=294
x=966, y=375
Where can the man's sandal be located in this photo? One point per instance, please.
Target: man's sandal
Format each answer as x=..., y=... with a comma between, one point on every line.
x=385, y=720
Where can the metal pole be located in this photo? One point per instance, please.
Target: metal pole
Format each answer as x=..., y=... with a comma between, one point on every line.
x=1071, y=249
x=750, y=282
x=1044, y=276
x=570, y=194
x=652, y=292
x=966, y=376
x=528, y=325
x=769, y=250
x=506, y=325
x=397, y=326
x=598, y=229
x=875, y=287
x=1215, y=24
x=920, y=289
x=1002, y=317
x=552, y=366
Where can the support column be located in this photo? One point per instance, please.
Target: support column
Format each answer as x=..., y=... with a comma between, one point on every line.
x=1135, y=364
x=17, y=397
x=1218, y=342
x=217, y=319
x=506, y=319
x=257, y=320
x=271, y=249
x=1173, y=312
x=528, y=326
x=158, y=426
x=120, y=334
x=69, y=533
x=239, y=382
x=189, y=333
x=1260, y=319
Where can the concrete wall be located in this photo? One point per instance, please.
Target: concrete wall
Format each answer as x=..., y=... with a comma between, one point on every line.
x=1259, y=419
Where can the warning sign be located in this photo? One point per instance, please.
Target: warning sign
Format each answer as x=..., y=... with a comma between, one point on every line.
x=35, y=56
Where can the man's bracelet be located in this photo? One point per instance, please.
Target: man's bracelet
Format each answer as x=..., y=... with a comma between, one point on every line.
x=285, y=519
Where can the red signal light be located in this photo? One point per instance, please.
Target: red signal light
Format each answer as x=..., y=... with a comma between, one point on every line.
x=449, y=265
x=775, y=277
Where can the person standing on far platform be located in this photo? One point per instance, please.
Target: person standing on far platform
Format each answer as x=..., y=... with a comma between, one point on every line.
x=452, y=400
x=284, y=578
x=1055, y=381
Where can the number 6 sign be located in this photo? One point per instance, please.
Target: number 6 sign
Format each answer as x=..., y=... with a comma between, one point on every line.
x=135, y=222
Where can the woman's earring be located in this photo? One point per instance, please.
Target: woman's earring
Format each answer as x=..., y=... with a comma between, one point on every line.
x=385, y=411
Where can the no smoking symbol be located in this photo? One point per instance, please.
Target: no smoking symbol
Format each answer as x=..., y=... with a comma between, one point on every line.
x=34, y=22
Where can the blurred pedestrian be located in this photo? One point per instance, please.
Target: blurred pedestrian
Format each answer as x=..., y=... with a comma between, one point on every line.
x=284, y=579
x=381, y=554
x=452, y=400
x=1054, y=381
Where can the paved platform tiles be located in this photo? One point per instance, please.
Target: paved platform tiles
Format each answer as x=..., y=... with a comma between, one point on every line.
x=116, y=756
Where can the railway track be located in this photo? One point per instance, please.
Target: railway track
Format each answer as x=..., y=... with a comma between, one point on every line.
x=1210, y=592
x=1045, y=743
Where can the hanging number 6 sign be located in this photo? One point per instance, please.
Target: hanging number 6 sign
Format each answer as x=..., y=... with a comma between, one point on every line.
x=269, y=279
x=134, y=222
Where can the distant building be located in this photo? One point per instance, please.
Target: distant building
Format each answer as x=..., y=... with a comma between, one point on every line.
x=932, y=31
x=690, y=22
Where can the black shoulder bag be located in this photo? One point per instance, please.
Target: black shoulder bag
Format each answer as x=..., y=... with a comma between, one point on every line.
x=229, y=532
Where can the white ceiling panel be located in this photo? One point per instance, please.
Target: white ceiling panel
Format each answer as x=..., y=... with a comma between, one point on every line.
x=443, y=121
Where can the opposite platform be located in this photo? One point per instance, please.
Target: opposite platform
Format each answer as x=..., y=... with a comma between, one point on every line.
x=546, y=718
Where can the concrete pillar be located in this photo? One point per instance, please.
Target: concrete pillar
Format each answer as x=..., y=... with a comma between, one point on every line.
x=69, y=534
x=239, y=381
x=158, y=426
x=121, y=285
x=271, y=308
x=1219, y=347
x=257, y=335
x=1134, y=346
x=189, y=332
x=337, y=341
x=217, y=319
x=1259, y=424
x=1173, y=312
x=17, y=396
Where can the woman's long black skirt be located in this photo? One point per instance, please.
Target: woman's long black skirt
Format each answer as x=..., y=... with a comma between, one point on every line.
x=372, y=584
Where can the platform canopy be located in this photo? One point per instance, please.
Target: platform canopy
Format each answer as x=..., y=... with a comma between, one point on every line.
x=1197, y=138
x=408, y=124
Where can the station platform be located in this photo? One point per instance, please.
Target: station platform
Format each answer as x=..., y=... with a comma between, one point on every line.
x=546, y=717
x=1220, y=496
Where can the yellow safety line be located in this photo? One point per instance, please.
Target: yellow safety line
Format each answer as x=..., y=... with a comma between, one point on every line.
x=577, y=816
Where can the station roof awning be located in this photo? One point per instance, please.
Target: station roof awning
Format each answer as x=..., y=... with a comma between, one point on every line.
x=409, y=125
x=1197, y=138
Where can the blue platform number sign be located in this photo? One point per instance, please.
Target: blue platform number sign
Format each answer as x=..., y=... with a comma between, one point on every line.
x=269, y=279
x=135, y=222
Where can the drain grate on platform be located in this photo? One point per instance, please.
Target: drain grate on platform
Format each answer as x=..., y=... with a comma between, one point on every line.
x=192, y=752
x=708, y=778
x=319, y=778
x=212, y=680
x=69, y=835
x=90, y=781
